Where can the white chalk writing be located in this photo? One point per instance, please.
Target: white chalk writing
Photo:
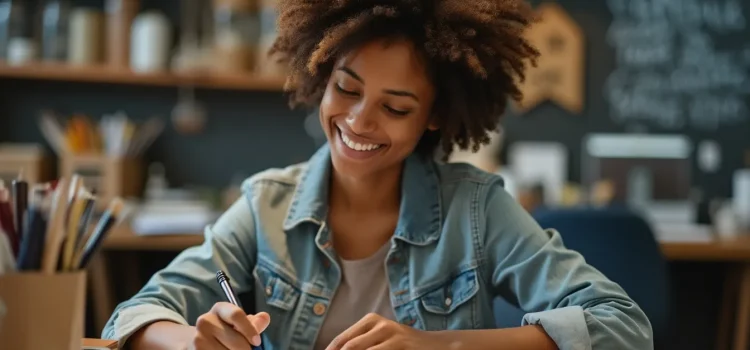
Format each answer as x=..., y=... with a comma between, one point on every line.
x=670, y=71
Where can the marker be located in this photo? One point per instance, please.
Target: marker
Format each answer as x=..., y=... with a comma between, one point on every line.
x=20, y=193
x=223, y=281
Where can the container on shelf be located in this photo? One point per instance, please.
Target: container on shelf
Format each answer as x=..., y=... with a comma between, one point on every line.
x=55, y=27
x=19, y=44
x=236, y=34
x=85, y=39
x=109, y=176
x=151, y=41
x=29, y=159
x=269, y=65
x=119, y=17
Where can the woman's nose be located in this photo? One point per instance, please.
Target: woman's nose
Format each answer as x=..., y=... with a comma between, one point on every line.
x=361, y=120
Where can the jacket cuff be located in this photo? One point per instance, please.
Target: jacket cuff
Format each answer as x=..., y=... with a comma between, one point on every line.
x=133, y=318
x=566, y=326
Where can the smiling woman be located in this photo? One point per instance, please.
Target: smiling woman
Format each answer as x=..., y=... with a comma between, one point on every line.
x=373, y=243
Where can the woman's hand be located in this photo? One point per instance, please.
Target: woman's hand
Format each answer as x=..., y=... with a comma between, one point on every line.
x=374, y=332
x=227, y=326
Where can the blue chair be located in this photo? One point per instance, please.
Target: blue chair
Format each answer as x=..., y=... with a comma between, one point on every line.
x=620, y=244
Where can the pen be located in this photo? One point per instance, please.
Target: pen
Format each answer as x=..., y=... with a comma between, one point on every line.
x=100, y=232
x=20, y=189
x=32, y=242
x=223, y=281
x=55, y=227
x=83, y=226
x=75, y=215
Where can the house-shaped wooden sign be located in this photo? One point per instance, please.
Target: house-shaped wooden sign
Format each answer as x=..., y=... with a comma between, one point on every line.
x=559, y=75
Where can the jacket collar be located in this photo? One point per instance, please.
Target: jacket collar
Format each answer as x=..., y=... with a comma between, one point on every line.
x=419, y=220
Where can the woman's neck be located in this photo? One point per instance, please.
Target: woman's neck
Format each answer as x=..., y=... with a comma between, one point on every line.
x=377, y=193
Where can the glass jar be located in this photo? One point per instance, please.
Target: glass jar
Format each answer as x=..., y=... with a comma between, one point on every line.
x=55, y=18
x=236, y=34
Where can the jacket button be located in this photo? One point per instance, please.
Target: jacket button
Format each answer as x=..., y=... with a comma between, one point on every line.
x=269, y=290
x=319, y=309
x=448, y=301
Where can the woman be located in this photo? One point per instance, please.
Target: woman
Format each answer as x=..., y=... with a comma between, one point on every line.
x=372, y=244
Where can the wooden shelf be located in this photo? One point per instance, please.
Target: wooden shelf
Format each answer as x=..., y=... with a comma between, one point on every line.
x=107, y=75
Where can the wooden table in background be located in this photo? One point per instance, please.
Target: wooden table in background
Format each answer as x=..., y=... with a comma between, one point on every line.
x=735, y=301
x=734, y=250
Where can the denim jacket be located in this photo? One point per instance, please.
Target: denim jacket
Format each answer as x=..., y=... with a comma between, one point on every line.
x=461, y=241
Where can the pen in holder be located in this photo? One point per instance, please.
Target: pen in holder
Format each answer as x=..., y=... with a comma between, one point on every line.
x=46, y=292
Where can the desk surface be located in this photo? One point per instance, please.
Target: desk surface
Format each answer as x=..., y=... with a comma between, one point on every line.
x=713, y=249
x=93, y=343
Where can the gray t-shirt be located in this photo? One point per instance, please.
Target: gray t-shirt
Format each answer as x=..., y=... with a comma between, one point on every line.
x=363, y=289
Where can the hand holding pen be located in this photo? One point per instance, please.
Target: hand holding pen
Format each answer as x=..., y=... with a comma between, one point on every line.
x=227, y=326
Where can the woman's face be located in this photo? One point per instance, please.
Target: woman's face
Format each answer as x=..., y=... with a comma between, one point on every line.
x=376, y=106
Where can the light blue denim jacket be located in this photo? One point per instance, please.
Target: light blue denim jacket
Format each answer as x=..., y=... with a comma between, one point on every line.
x=461, y=241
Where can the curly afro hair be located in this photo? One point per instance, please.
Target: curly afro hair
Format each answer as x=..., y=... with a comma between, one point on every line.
x=474, y=51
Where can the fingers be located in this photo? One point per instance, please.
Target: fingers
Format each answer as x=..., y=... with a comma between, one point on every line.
x=213, y=333
x=237, y=319
x=357, y=330
x=367, y=341
x=260, y=321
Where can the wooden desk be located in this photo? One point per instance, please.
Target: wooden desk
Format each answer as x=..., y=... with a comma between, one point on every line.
x=735, y=250
x=123, y=238
x=717, y=250
x=92, y=343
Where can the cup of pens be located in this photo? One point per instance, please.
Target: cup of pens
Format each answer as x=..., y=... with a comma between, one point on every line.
x=107, y=153
x=52, y=233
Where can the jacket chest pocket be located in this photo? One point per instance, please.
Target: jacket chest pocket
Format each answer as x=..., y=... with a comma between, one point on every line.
x=277, y=296
x=453, y=304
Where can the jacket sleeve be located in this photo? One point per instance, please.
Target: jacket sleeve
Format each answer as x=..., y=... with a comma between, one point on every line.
x=187, y=287
x=578, y=307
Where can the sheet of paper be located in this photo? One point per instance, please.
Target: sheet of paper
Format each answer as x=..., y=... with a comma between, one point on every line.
x=683, y=233
x=540, y=162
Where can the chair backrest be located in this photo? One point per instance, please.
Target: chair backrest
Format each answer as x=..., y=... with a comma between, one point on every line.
x=620, y=244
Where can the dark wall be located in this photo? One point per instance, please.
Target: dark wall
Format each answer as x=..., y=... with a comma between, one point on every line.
x=246, y=131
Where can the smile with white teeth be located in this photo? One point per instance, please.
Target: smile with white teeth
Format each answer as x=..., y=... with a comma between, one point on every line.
x=359, y=146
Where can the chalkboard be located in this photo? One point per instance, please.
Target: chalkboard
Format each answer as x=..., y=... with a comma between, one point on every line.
x=679, y=63
x=657, y=66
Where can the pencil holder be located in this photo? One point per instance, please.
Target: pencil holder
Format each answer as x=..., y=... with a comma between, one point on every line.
x=109, y=176
x=27, y=159
x=44, y=311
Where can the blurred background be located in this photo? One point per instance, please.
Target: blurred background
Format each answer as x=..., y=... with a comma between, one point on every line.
x=633, y=138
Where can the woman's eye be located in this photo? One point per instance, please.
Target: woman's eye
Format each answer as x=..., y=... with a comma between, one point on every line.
x=345, y=91
x=396, y=111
